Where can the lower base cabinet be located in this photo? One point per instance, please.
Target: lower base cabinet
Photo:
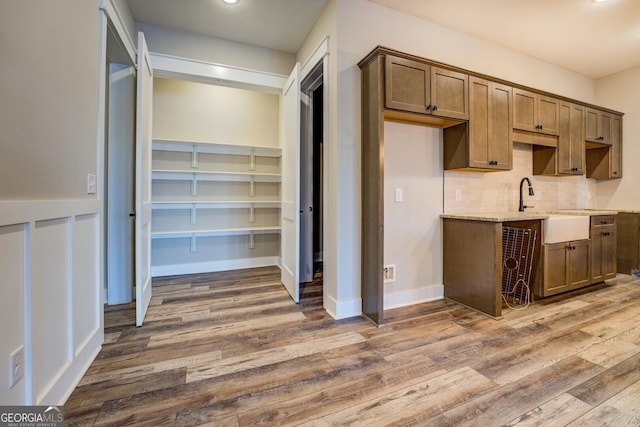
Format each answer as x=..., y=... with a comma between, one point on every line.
x=566, y=266
x=628, y=242
x=603, y=248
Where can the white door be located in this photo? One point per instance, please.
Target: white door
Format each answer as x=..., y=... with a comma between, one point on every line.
x=306, y=189
x=144, y=107
x=290, y=192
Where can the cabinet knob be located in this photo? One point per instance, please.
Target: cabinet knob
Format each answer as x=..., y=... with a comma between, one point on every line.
x=615, y=172
x=429, y=107
x=435, y=107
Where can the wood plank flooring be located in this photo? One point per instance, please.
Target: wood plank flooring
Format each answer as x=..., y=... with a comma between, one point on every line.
x=232, y=349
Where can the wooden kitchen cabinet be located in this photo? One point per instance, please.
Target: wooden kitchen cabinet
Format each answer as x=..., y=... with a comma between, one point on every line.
x=534, y=112
x=598, y=126
x=485, y=142
x=571, y=139
x=604, y=160
x=568, y=157
x=417, y=87
x=628, y=242
x=566, y=266
x=603, y=248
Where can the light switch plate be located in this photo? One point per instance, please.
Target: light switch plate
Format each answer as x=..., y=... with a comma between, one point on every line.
x=399, y=195
x=91, y=183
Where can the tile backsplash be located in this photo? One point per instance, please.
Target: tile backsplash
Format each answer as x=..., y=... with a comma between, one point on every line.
x=499, y=191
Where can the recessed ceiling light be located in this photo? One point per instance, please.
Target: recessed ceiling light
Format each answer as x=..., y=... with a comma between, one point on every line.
x=599, y=1
x=236, y=1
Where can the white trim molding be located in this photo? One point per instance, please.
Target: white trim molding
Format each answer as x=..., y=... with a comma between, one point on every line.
x=413, y=296
x=320, y=51
x=116, y=20
x=208, y=72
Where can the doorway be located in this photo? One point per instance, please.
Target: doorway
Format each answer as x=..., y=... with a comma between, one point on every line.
x=311, y=175
x=119, y=172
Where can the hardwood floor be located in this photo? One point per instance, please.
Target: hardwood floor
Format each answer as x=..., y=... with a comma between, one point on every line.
x=231, y=348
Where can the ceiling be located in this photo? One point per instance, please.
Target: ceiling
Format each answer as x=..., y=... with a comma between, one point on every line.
x=592, y=39
x=275, y=24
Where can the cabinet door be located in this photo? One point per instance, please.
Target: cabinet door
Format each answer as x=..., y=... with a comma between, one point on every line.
x=449, y=94
x=579, y=263
x=548, y=115
x=616, y=147
x=555, y=269
x=524, y=110
x=407, y=85
x=605, y=125
x=490, y=141
x=571, y=139
x=591, y=125
x=598, y=126
x=597, y=268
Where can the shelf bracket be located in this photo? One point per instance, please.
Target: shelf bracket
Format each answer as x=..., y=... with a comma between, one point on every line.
x=252, y=187
x=252, y=213
x=252, y=160
x=193, y=214
x=193, y=243
x=194, y=157
x=252, y=242
x=194, y=185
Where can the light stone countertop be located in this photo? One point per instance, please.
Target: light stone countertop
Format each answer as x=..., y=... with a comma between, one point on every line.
x=496, y=216
x=522, y=216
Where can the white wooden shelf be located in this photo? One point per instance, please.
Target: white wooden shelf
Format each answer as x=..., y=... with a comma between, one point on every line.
x=199, y=175
x=194, y=234
x=215, y=148
x=209, y=232
x=210, y=204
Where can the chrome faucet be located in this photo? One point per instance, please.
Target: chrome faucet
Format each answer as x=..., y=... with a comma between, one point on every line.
x=531, y=193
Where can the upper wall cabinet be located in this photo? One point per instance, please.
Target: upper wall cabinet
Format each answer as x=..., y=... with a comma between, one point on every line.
x=416, y=87
x=599, y=126
x=571, y=139
x=485, y=142
x=534, y=112
x=604, y=160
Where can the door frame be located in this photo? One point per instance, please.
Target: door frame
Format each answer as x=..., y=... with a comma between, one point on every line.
x=308, y=86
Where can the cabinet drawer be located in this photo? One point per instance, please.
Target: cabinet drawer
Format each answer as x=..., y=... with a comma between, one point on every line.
x=602, y=220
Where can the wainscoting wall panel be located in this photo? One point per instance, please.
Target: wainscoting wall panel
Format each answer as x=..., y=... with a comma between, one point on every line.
x=50, y=276
x=13, y=239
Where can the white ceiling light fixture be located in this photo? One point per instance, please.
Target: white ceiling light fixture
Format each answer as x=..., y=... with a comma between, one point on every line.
x=236, y=1
x=599, y=1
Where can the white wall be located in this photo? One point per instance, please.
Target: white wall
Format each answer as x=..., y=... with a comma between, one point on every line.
x=48, y=82
x=209, y=49
x=412, y=227
x=620, y=92
x=49, y=226
x=202, y=112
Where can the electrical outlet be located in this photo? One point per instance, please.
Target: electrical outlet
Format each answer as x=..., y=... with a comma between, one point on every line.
x=389, y=273
x=16, y=366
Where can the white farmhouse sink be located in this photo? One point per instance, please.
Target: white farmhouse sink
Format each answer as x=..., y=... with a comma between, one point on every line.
x=564, y=228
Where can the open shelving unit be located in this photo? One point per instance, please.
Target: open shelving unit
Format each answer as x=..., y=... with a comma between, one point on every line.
x=209, y=190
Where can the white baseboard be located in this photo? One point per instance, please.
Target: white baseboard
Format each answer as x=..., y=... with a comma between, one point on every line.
x=413, y=296
x=213, y=266
x=342, y=309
